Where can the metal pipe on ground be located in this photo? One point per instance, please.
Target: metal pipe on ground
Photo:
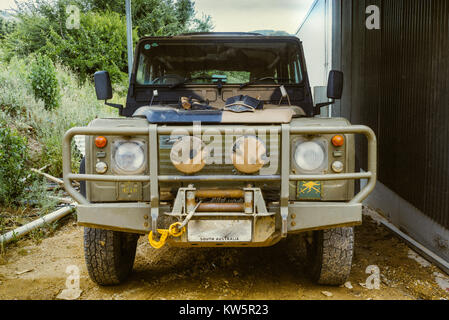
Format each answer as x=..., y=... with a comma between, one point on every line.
x=63, y=200
x=49, y=177
x=23, y=230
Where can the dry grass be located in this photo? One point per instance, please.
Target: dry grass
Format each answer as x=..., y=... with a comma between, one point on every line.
x=44, y=131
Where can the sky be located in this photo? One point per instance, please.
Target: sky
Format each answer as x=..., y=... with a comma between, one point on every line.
x=244, y=15
x=6, y=4
x=250, y=15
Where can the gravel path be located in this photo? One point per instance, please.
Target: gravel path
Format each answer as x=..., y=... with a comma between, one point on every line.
x=37, y=271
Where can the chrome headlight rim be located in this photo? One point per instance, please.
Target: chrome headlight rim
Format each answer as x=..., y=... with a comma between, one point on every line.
x=101, y=167
x=315, y=142
x=141, y=152
x=338, y=166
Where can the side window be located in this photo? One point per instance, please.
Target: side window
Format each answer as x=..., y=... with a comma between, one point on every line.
x=297, y=68
x=141, y=75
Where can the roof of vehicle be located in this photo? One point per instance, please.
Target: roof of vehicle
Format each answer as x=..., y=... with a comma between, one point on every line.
x=215, y=35
x=221, y=34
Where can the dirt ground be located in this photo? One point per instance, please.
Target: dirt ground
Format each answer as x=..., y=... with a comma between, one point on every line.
x=37, y=271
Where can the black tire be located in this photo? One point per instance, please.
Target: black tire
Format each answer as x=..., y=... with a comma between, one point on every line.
x=330, y=255
x=109, y=255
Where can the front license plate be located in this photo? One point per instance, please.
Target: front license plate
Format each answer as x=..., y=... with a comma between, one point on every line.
x=219, y=231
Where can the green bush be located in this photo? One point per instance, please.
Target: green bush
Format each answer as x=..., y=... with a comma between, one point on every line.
x=13, y=157
x=44, y=128
x=44, y=82
x=155, y=17
x=100, y=41
x=15, y=90
x=6, y=25
x=10, y=99
x=37, y=195
x=98, y=44
x=79, y=106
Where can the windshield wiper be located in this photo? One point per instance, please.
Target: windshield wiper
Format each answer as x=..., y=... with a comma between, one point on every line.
x=187, y=80
x=261, y=79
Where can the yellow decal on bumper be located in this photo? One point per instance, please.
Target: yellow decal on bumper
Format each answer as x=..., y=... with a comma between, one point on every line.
x=309, y=190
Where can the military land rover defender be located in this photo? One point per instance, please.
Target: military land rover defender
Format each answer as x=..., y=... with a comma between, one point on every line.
x=219, y=145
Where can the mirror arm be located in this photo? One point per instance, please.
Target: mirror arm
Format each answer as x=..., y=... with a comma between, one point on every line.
x=114, y=105
x=324, y=104
x=318, y=106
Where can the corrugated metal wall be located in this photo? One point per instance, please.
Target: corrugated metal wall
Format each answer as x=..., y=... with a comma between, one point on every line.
x=399, y=86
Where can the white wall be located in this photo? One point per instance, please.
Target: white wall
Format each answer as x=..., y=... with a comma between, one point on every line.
x=316, y=34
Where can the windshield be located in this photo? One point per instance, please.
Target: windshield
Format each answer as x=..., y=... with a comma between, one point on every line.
x=258, y=61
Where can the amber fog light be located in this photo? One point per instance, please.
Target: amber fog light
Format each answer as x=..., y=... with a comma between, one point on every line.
x=337, y=166
x=101, y=167
x=338, y=140
x=101, y=142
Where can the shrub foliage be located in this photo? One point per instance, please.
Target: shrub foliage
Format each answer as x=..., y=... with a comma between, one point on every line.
x=13, y=157
x=100, y=41
x=44, y=82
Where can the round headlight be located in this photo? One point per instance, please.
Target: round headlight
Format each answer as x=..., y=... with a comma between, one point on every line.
x=187, y=154
x=248, y=154
x=129, y=156
x=309, y=156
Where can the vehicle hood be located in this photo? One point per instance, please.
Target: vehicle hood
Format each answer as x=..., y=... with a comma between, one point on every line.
x=169, y=114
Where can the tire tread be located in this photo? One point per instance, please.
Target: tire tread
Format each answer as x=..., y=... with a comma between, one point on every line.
x=109, y=255
x=333, y=260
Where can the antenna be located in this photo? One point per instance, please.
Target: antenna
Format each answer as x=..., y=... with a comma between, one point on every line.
x=129, y=37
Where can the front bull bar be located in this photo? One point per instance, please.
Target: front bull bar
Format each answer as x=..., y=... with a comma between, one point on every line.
x=152, y=131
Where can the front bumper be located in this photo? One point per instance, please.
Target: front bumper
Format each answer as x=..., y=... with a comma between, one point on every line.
x=285, y=217
x=303, y=216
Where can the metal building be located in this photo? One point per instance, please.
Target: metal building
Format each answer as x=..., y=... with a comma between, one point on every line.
x=396, y=82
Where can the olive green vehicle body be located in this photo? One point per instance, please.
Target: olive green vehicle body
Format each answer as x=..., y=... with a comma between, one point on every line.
x=156, y=197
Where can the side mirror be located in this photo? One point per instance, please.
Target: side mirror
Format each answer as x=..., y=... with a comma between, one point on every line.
x=334, y=90
x=335, y=85
x=103, y=87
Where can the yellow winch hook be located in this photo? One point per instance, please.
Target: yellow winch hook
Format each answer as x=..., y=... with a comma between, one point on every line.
x=173, y=231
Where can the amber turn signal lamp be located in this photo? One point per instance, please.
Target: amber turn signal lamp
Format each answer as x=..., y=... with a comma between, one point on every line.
x=338, y=140
x=101, y=141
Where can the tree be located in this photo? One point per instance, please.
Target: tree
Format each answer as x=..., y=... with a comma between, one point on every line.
x=7, y=25
x=100, y=41
x=157, y=17
x=99, y=44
